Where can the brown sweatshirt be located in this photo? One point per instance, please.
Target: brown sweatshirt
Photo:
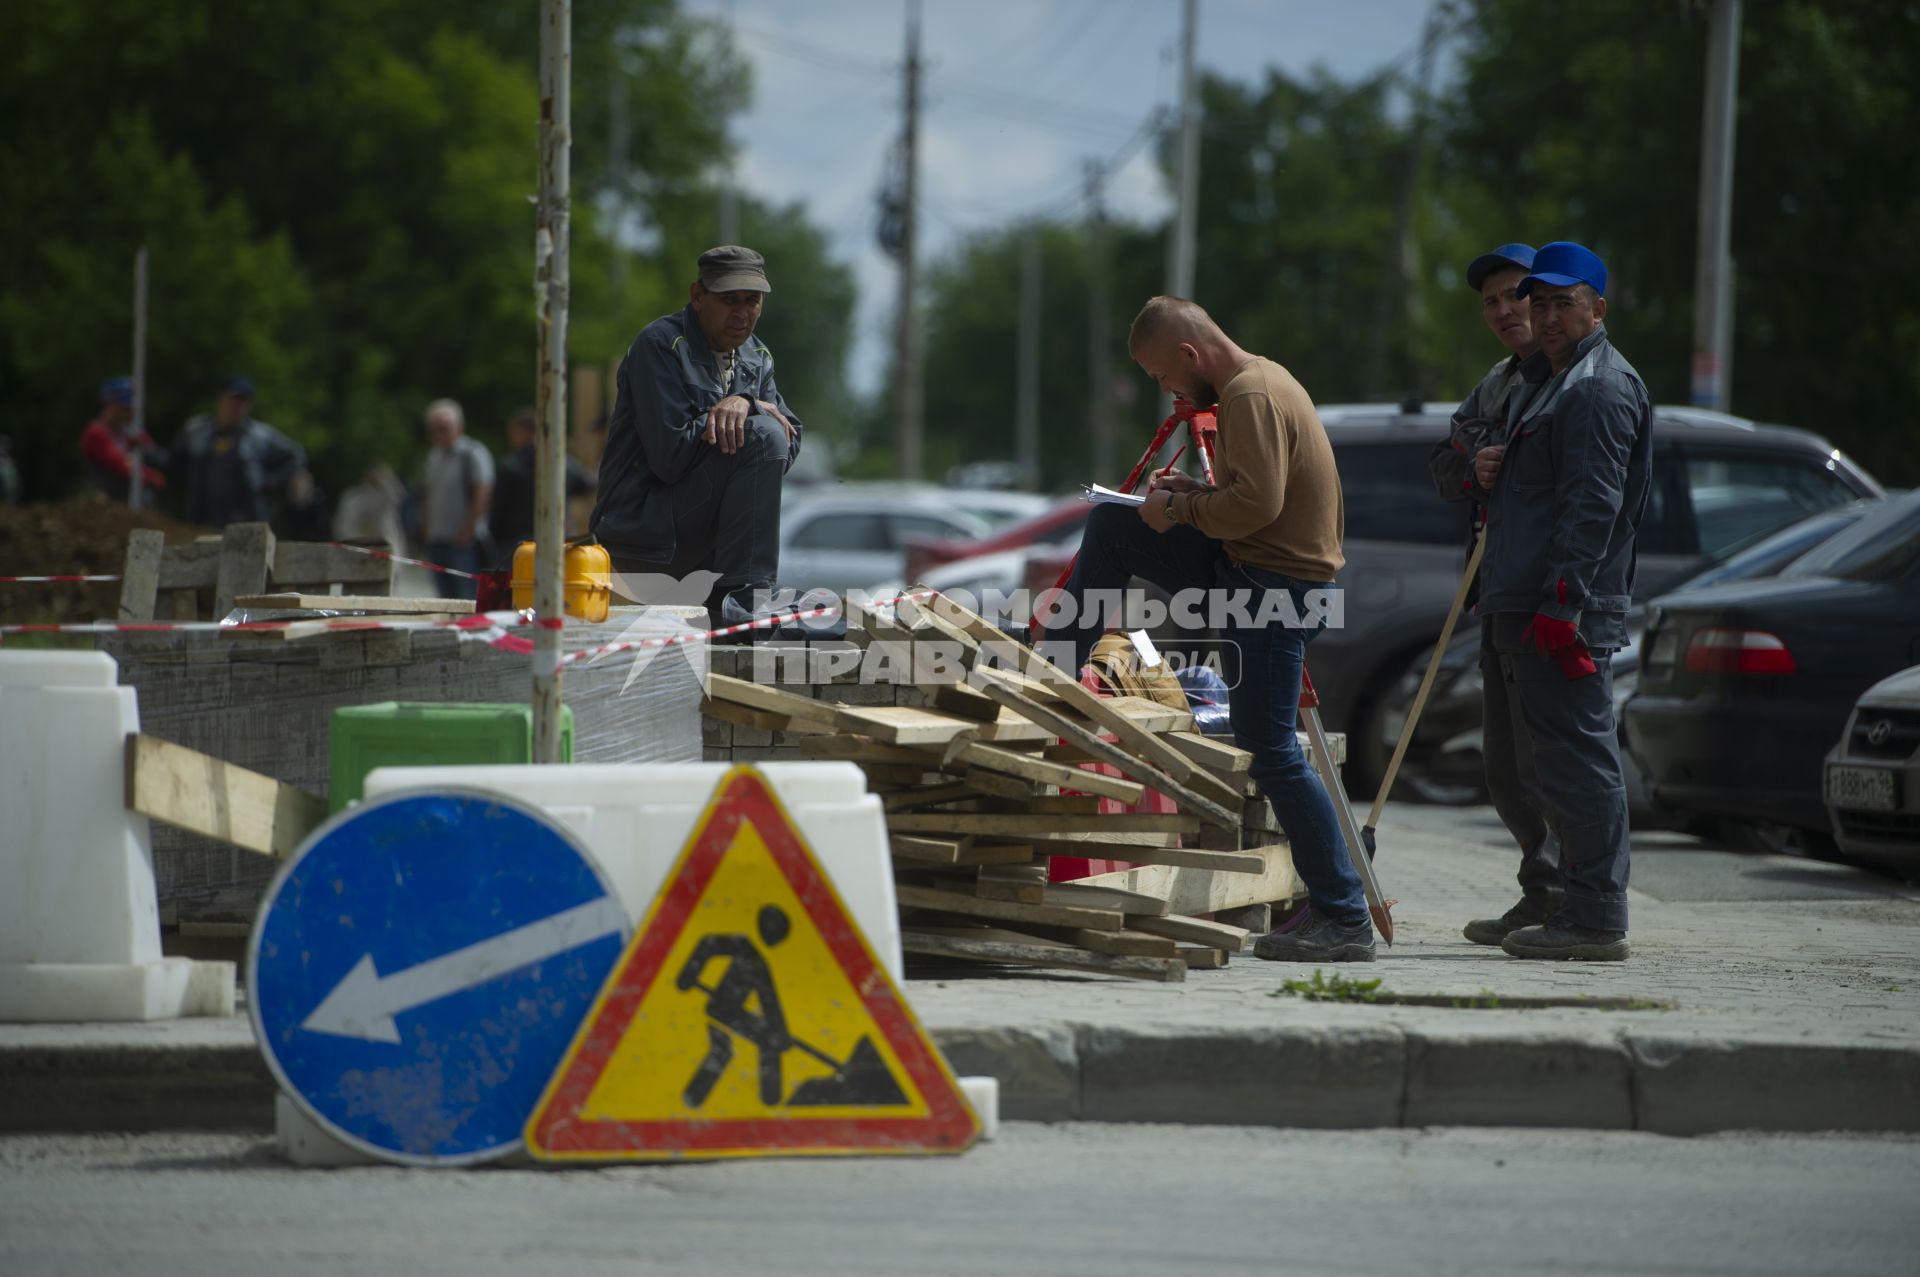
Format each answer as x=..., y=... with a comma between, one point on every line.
x=1276, y=502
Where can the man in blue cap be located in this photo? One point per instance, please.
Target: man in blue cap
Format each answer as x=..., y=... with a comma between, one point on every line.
x=231, y=465
x=112, y=445
x=1464, y=465
x=1556, y=581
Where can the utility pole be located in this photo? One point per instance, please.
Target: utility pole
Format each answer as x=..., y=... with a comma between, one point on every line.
x=136, y=493
x=910, y=411
x=1180, y=251
x=1713, y=260
x=1099, y=306
x=550, y=279
x=1027, y=411
x=1399, y=290
x=729, y=198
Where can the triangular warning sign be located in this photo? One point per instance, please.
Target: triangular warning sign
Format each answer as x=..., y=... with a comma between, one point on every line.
x=748, y=1016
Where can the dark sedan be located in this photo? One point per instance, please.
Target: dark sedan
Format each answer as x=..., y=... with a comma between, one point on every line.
x=1743, y=687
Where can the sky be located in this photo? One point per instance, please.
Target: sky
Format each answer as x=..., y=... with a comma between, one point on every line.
x=1017, y=97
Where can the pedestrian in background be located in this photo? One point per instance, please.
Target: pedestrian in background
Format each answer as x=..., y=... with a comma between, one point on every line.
x=512, y=516
x=1557, y=578
x=455, y=492
x=232, y=466
x=112, y=445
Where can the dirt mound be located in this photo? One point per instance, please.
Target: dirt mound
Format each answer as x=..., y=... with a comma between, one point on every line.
x=81, y=535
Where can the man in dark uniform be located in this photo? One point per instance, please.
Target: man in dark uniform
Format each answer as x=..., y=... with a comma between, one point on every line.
x=1556, y=582
x=1464, y=465
x=699, y=443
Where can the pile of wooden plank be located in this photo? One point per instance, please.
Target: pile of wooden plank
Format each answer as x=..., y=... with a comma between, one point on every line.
x=1006, y=763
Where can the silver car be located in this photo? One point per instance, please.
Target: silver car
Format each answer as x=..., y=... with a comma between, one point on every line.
x=1872, y=778
x=848, y=535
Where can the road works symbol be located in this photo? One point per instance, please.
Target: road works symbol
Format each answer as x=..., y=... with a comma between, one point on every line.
x=420, y=966
x=749, y=1016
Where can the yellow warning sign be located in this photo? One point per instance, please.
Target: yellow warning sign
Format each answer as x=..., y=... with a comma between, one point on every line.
x=749, y=1015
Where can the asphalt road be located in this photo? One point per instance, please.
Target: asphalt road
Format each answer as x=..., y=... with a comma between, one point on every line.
x=1109, y=1200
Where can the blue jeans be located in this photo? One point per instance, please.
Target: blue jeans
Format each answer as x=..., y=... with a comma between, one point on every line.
x=1262, y=666
x=461, y=558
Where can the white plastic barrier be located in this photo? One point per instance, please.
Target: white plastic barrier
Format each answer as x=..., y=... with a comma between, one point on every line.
x=79, y=924
x=636, y=817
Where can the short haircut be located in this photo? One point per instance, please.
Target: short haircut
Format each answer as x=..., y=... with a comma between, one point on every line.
x=523, y=417
x=1170, y=318
x=449, y=406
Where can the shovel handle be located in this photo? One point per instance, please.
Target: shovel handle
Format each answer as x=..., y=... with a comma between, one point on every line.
x=1426, y=683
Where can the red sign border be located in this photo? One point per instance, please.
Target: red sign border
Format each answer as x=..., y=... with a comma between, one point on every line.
x=557, y=1131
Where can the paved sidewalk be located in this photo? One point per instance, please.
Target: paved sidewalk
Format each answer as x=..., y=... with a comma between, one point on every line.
x=1793, y=988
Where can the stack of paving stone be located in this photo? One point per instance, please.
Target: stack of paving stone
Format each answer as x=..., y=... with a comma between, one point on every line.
x=990, y=762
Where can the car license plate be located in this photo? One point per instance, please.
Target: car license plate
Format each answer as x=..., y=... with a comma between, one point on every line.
x=1862, y=788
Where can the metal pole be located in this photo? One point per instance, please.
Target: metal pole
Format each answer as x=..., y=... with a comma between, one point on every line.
x=550, y=431
x=909, y=422
x=1099, y=340
x=1713, y=264
x=1180, y=252
x=136, y=493
x=1027, y=410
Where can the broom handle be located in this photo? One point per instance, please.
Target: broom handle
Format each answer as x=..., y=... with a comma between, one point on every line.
x=1426, y=683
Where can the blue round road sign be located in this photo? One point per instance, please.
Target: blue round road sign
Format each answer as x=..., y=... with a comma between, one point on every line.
x=420, y=966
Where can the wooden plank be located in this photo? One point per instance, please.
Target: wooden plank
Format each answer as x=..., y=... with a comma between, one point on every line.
x=1050, y=914
x=246, y=553
x=928, y=796
x=1199, y=957
x=140, y=577
x=1150, y=715
x=197, y=792
x=768, y=700
x=1043, y=771
x=902, y=724
x=1046, y=805
x=1164, y=970
x=315, y=563
x=858, y=749
x=1127, y=944
x=933, y=851
x=1210, y=808
x=1194, y=891
x=1002, y=786
x=740, y=715
x=1214, y=754
x=1177, y=926
x=354, y=603
x=1242, y=862
x=1012, y=725
x=1082, y=895
x=190, y=567
x=895, y=774
x=961, y=701
x=1026, y=883
x=1010, y=826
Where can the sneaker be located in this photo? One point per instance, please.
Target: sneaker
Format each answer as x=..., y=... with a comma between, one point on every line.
x=1565, y=940
x=1317, y=940
x=1528, y=913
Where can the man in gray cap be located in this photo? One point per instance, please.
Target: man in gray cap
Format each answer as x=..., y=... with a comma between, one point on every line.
x=699, y=442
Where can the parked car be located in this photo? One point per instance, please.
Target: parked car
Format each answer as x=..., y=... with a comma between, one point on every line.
x=1058, y=523
x=1872, y=781
x=1452, y=768
x=1717, y=481
x=849, y=535
x=1743, y=686
x=999, y=507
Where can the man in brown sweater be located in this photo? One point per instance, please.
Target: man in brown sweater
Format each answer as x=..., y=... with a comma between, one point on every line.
x=1263, y=543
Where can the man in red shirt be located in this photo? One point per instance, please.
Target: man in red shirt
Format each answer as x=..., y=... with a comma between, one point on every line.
x=111, y=445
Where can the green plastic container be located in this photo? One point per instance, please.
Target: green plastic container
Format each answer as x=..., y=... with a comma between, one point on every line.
x=422, y=734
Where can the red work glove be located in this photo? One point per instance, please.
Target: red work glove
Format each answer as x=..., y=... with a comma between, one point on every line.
x=1560, y=640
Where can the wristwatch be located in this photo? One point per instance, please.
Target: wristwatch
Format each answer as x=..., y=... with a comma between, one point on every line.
x=1169, y=509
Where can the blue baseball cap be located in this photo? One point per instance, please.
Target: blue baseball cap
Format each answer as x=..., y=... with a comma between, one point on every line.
x=117, y=390
x=1564, y=263
x=238, y=384
x=1504, y=257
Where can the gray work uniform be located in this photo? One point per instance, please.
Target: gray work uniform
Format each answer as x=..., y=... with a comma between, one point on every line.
x=669, y=500
x=1561, y=524
x=1481, y=422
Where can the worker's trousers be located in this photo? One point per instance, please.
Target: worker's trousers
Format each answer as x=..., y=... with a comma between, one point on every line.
x=1567, y=749
x=1541, y=882
x=1262, y=665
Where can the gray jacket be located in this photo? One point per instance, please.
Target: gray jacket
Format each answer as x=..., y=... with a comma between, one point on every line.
x=1566, y=505
x=667, y=382
x=1479, y=422
x=267, y=459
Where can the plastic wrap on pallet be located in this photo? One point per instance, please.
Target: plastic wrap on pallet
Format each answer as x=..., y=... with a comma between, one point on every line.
x=266, y=703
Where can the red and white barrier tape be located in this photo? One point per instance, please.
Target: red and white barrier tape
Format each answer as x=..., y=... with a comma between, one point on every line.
x=370, y=552
x=68, y=577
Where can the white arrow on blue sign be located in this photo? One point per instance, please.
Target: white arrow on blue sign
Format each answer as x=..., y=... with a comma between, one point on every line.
x=420, y=966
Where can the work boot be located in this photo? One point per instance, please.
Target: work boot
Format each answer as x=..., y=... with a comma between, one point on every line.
x=1528, y=913
x=1317, y=940
x=1565, y=940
